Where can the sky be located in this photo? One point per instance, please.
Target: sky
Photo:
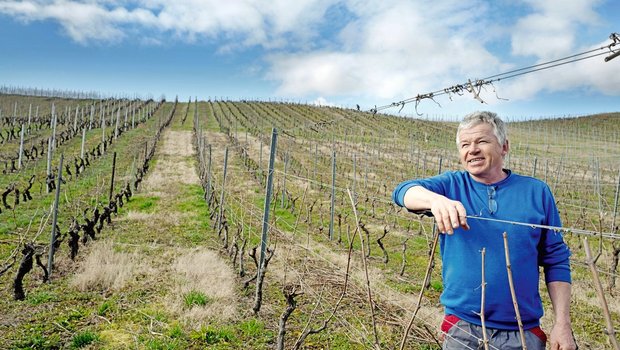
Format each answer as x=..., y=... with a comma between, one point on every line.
x=330, y=52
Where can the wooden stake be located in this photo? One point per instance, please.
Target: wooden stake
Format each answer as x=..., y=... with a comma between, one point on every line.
x=485, y=339
x=601, y=295
x=512, y=291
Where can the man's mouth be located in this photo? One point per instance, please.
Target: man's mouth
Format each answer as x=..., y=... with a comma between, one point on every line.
x=475, y=160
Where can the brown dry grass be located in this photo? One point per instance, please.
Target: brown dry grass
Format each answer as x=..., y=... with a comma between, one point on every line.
x=105, y=269
x=203, y=271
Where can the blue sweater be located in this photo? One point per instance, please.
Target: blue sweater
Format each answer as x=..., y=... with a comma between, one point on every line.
x=520, y=199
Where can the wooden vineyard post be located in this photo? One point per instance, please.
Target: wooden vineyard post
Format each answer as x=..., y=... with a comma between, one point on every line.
x=75, y=118
x=268, y=190
x=118, y=118
x=92, y=115
x=333, y=198
x=208, y=193
x=21, y=148
x=54, y=122
x=220, y=214
x=29, y=117
x=133, y=116
x=102, y=116
x=125, y=125
x=260, y=275
x=48, y=171
x=36, y=115
x=51, y=140
x=112, y=180
x=50, y=259
x=83, y=140
x=601, y=295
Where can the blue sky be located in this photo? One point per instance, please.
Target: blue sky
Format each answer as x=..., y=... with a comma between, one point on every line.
x=340, y=52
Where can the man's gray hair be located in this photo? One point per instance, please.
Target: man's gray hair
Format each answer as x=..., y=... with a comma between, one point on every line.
x=476, y=118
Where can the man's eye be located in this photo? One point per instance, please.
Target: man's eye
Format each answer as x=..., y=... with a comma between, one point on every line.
x=463, y=145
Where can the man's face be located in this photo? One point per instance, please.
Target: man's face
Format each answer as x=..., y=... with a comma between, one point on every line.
x=481, y=154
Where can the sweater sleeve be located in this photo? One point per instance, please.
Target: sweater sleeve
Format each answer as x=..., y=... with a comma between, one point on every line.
x=398, y=196
x=435, y=184
x=553, y=254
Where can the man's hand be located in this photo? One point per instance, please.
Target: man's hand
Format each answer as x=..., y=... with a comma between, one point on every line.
x=449, y=214
x=561, y=338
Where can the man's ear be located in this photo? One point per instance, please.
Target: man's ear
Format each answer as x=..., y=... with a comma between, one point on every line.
x=505, y=148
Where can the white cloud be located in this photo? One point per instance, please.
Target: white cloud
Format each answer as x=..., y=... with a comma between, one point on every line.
x=322, y=101
x=82, y=21
x=378, y=50
x=551, y=31
x=393, y=50
x=235, y=24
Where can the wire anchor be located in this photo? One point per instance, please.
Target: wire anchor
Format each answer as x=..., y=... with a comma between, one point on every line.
x=616, y=41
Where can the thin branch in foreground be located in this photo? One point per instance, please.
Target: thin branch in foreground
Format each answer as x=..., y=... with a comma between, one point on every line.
x=429, y=268
x=513, y=294
x=601, y=296
x=485, y=339
x=370, y=301
x=307, y=332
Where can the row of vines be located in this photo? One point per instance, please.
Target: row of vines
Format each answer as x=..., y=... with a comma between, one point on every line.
x=94, y=156
x=334, y=172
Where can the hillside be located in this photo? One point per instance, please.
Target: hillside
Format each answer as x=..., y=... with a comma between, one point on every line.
x=172, y=268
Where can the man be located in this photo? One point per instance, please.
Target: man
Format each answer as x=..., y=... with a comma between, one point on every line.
x=485, y=189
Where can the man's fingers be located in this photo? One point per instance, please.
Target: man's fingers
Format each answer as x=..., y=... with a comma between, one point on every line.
x=442, y=220
x=449, y=215
x=462, y=214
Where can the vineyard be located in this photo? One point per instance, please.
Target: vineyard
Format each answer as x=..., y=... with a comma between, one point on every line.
x=261, y=225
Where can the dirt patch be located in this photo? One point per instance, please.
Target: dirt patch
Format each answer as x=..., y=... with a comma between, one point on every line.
x=174, y=165
x=177, y=143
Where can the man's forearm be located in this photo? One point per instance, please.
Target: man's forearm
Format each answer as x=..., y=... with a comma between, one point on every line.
x=562, y=333
x=560, y=294
x=449, y=214
x=419, y=198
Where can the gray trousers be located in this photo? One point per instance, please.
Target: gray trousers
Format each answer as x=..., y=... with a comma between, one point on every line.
x=460, y=335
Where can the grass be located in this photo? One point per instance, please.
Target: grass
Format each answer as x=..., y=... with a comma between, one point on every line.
x=195, y=298
x=83, y=339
